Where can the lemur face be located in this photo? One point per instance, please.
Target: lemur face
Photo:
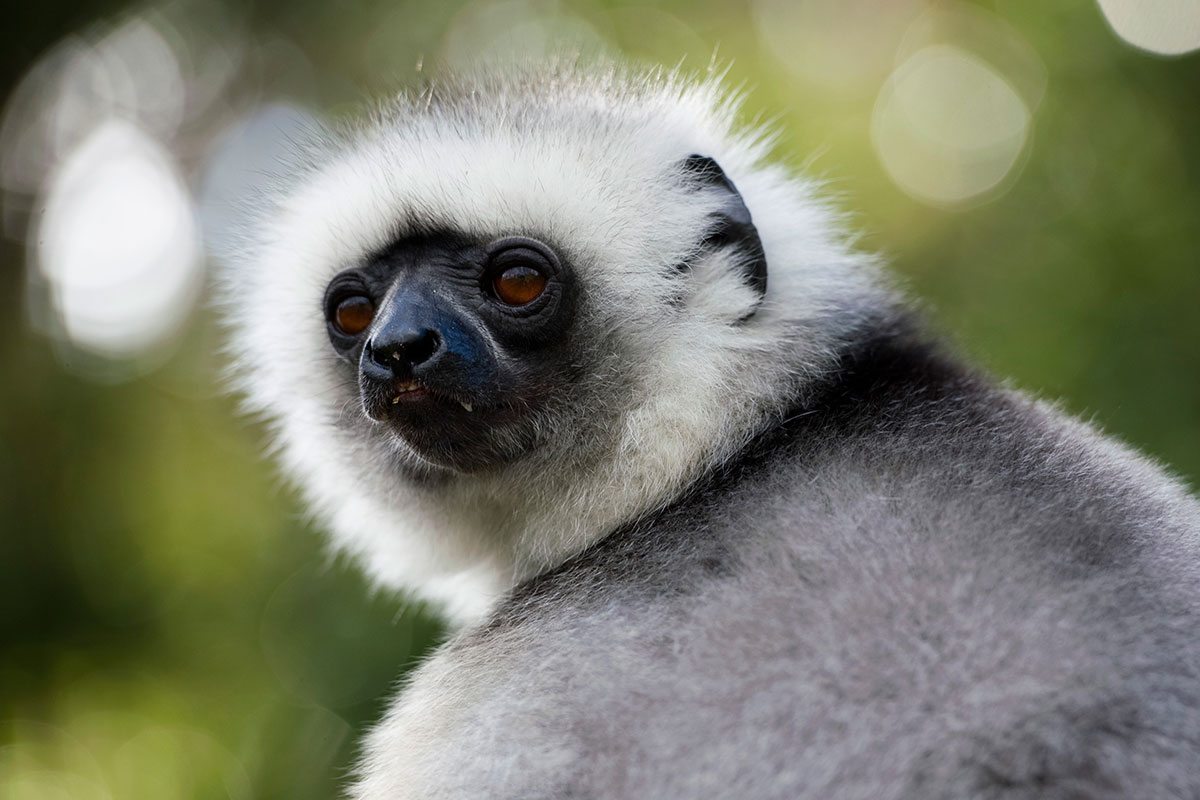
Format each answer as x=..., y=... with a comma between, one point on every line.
x=456, y=341
x=488, y=319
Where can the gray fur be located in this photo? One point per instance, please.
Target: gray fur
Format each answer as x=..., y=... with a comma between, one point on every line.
x=918, y=586
x=874, y=574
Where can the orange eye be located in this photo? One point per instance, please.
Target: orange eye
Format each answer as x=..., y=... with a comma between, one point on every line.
x=519, y=285
x=353, y=315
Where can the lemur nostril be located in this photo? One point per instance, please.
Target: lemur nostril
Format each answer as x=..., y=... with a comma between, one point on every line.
x=405, y=352
x=421, y=349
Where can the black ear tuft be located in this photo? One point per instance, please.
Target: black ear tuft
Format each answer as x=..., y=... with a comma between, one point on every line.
x=732, y=226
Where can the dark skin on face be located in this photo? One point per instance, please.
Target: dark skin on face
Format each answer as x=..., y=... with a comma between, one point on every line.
x=458, y=342
x=455, y=342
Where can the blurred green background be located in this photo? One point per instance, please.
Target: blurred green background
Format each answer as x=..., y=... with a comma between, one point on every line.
x=170, y=626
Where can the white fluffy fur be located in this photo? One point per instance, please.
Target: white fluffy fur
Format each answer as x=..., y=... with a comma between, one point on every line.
x=590, y=163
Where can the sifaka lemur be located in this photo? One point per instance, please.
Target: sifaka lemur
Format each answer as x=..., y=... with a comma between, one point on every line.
x=559, y=349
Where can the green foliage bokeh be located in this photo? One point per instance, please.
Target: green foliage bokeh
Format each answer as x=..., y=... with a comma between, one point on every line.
x=170, y=625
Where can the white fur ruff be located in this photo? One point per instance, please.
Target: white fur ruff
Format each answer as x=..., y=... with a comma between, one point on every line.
x=591, y=163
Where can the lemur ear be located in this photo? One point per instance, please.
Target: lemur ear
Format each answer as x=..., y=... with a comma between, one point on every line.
x=732, y=225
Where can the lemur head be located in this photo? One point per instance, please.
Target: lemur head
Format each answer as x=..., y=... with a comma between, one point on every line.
x=472, y=347
x=511, y=312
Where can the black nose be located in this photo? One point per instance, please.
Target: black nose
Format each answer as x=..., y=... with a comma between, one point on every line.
x=403, y=351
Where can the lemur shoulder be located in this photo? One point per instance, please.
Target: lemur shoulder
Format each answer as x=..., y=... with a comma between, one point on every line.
x=564, y=352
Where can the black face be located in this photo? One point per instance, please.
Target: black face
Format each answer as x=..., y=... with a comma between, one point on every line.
x=457, y=343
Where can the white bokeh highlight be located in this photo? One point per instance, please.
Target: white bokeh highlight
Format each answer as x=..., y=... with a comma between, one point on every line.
x=518, y=30
x=1166, y=27
x=248, y=159
x=948, y=127
x=835, y=44
x=117, y=243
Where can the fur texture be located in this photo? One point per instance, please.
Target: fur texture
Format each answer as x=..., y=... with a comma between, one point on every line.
x=677, y=386
x=775, y=551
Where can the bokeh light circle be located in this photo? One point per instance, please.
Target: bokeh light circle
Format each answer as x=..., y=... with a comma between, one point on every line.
x=948, y=127
x=118, y=243
x=518, y=30
x=834, y=44
x=1166, y=27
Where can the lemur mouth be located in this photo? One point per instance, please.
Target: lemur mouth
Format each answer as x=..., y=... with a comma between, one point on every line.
x=407, y=390
x=412, y=391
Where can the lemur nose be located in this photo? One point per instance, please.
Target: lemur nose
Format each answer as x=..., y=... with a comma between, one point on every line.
x=402, y=352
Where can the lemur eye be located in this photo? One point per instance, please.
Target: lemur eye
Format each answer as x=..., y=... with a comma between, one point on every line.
x=519, y=285
x=353, y=315
x=520, y=272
